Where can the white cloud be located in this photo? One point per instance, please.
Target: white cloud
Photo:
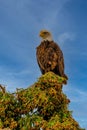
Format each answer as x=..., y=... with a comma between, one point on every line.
x=78, y=104
x=62, y=38
x=76, y=95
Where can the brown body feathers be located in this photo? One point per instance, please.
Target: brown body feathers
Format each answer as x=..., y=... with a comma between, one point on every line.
x=50, y=58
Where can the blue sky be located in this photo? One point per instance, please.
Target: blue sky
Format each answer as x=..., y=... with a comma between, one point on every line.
x=20, y=23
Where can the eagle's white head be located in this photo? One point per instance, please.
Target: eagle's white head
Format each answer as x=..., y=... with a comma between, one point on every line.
x=45, y=35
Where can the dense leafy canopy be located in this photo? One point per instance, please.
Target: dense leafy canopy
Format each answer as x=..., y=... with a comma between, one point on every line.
x=41, y=106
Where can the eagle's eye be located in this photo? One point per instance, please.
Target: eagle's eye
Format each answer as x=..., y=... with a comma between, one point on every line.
x=45, y=32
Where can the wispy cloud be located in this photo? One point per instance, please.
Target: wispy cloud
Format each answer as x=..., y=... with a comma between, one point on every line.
x=62, y=38
x=78, y=103
x=76, y=94
x=20, y=78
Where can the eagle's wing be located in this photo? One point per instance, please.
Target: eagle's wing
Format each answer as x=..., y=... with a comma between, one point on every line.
x=50, y=57
x=59, y=68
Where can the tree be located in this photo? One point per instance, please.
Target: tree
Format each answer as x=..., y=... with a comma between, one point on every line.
x=42, y=106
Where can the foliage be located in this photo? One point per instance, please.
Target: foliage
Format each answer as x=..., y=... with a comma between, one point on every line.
x=43, y=105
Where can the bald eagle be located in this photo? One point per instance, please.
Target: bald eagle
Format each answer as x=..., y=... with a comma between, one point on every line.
x=49, y=55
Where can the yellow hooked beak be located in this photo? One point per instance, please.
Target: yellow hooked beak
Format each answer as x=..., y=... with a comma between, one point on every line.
x=41, y=34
